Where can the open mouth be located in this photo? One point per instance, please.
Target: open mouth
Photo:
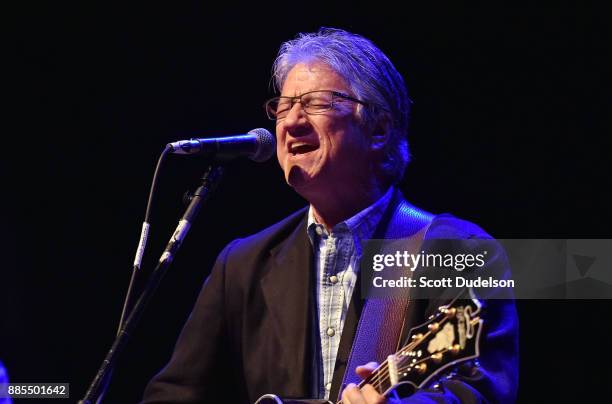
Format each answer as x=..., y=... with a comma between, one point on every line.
x=296, y=149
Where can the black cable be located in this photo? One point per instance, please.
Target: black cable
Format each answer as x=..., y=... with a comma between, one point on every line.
x=142, y=243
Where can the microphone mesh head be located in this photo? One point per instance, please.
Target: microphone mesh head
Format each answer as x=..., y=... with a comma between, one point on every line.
x=266, y=145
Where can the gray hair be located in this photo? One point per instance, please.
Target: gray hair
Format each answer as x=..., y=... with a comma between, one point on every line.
x=371, y=77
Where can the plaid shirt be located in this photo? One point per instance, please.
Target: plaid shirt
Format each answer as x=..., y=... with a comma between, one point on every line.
x=337, y=255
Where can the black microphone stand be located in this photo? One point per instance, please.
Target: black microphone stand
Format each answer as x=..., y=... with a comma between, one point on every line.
x=210, y=179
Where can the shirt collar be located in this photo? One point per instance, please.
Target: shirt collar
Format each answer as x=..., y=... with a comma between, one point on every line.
x=361, y=226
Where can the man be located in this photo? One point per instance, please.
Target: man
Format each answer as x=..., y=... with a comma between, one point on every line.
x=279, y=311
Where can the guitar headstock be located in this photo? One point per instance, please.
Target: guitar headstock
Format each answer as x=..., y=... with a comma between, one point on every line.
x=448, y=337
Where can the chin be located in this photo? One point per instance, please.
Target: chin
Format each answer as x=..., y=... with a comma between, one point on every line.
x=300, y=180
x=307, y=185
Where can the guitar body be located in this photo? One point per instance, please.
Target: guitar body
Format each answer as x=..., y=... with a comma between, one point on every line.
x=450, y=336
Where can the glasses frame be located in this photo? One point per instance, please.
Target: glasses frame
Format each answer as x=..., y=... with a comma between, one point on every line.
x=298, y=99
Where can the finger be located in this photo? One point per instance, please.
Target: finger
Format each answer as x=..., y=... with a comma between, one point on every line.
x=366, y=370
x=372, y=396
x=352, y=395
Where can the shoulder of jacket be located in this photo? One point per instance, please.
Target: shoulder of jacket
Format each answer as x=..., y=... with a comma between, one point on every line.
x=266, y=239
x=448, y=226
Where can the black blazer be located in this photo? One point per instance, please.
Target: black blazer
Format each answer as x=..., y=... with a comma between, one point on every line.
x=252, y=330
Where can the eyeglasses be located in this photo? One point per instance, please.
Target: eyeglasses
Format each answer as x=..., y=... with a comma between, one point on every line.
x=313, y=102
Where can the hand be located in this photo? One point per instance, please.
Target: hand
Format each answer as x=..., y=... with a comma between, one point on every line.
x=367, y=394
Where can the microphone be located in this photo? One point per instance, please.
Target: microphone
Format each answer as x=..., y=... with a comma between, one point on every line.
x=258, y=145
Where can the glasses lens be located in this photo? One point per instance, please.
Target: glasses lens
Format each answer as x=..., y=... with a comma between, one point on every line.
x=317, y=102
x=283, y=106
x=271, y=108
x=277, y=108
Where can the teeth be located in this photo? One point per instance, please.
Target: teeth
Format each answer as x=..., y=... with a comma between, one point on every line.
x=296, y=145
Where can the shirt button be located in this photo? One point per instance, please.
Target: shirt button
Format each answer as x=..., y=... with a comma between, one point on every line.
x=333, y=279
x=328, y=386
x=330, y=332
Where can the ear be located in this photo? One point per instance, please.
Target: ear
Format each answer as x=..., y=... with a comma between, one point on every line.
x=381, y=132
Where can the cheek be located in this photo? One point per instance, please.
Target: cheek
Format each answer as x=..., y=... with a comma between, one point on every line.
x=280, y=156
x=347, y=143
x=280, y=143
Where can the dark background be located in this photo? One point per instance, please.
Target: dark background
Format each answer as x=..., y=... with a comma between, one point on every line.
x=509, y=130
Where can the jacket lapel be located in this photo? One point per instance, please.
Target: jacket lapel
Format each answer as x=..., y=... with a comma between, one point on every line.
x=287, y=289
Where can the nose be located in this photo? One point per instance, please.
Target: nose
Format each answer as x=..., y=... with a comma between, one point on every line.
x=295, y=120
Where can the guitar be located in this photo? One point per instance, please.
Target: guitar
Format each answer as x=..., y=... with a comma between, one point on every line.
x=448, y=337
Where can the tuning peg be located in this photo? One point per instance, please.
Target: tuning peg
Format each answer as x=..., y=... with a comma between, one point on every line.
x=449, y=312
x=437, y=357
x=421, y=368
x=455, y=348
x=433, y=326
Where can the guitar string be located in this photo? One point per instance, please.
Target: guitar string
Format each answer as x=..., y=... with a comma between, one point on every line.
x=382, y=374
x=411, y=365
x=381, y=377
x=401, y=369
x=426, y=358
